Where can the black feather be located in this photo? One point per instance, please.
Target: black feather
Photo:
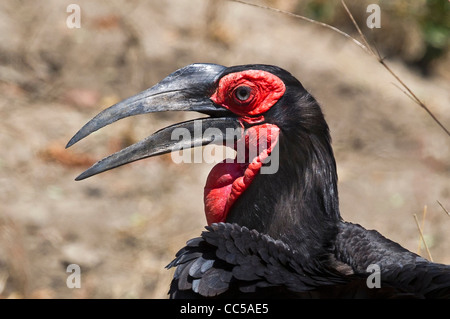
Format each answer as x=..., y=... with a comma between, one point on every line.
x=284, y=236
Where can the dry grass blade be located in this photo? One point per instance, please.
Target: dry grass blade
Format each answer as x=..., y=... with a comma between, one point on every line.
x=3, y=279
x=381, y=61
x=414, y=97
x=424, y=214
x=422, y=237
x=297, y=16
x=442, y=206
x=404, y=92
x=365, y=46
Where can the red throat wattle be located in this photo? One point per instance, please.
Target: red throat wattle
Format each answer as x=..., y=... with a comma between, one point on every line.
x=228, y=180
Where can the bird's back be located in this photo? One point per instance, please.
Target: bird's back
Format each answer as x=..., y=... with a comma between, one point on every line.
x=403, y=271
x=232, y=261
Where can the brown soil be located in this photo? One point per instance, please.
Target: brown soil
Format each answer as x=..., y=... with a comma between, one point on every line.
x=122, y=227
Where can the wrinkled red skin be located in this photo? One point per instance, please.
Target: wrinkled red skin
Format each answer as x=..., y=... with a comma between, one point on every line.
x=266, y=90
x=218, y=189
x=227, y=181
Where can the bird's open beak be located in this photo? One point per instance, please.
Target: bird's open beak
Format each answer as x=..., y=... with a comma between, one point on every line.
x=187, y=89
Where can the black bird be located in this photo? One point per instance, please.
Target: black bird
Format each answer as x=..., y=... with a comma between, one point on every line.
x=274, y=226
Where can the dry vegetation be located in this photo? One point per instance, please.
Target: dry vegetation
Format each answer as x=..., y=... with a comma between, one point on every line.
x=122, y=227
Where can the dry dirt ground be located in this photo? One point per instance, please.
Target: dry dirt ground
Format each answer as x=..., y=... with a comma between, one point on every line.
x=122, y=227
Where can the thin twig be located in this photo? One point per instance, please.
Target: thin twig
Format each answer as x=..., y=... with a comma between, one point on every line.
x=383, y=63
x=423, y=239
x=416, y=99
x=404, y=91
x=366, y=43
x=366, y=47
x=297, y=16
x=442, y=206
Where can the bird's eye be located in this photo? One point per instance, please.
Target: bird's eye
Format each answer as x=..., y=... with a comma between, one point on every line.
x=242, y=93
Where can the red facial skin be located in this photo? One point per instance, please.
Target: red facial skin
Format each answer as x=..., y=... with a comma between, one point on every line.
x=265, y=90
x=227, y=181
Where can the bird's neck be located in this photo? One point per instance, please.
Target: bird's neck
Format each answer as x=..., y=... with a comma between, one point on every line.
x=299, y=203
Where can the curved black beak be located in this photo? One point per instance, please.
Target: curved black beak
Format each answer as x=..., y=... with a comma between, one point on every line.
x=187, y=89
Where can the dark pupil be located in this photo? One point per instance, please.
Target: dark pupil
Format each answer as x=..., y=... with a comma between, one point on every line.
x=243, y=93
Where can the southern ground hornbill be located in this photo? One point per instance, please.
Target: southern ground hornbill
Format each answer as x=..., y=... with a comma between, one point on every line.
x=276, y=233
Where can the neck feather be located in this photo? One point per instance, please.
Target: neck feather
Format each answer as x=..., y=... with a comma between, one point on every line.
x=299, y=203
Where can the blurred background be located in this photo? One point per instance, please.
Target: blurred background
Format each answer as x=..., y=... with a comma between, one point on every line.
x=122, y=227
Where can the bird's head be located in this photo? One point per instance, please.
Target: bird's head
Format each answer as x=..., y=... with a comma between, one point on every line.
x=262, y=111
